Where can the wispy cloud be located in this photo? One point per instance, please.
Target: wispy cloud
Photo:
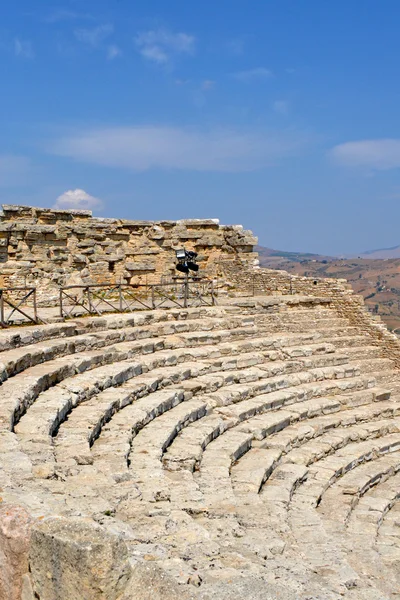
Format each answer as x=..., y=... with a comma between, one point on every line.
x=207, y=85
x=13, y=169
x=258, y=74
x=62, y=14
x=94, y=36
x=113, y=52
x=235, y=46
x=78, y=200
x=157, y=147
x=23, y=49
x=281, y=107
x=376, y=154
x=161, y=45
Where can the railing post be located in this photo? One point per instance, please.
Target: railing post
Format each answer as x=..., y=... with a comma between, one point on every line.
x=186, y=291
x=35, y=314
x=61, y=304
x=89, y=299
x=212, y=292
x=120, y=297
x=2, y=308
x=153, y=303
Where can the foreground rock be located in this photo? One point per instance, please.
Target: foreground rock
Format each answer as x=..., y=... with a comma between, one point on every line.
x=76, y=558
x=15, y=533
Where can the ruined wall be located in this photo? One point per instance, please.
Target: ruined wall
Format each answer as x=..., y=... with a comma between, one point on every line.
x=47, y=248
x=258, y=281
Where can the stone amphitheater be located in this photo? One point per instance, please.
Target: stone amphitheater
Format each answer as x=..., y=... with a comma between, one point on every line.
x=247, y=450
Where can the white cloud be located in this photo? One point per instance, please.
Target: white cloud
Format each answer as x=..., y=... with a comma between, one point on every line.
x=258, y=74
x=207, y=84
x=93, y=37
x=235, y=46
x=23, y=48
x=376, y=154
x=161, y=45
x=113, y=52
x=143, y=148
x=66, y=15
x=13, y=169
x=281, y=107
x=78, y=200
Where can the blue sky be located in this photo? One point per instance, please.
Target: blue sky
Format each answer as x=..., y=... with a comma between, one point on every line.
x=280, y=115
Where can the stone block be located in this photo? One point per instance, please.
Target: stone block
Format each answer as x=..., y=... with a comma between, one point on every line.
x=76, y=558
x=140, y=266
x=150, y=582
x=15, y=533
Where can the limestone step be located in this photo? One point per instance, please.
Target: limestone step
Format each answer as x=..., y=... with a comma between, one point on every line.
x=319, y=546
x=211, y=429
x=372, y=509
x=342, y=504
x=363, y=352
x=387, y=540
x=89, y=417
x=329, y=442
x=277, y=392
x=280, y=440
x=13, y=338
x=16, y=360
x=161, y=357
x=323, y=473
x=231, y=446
x=148, y=446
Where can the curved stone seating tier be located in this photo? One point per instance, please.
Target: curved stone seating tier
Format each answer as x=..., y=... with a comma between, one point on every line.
x=260, y=436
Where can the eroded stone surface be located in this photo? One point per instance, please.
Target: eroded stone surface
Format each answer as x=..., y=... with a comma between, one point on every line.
x=15, y=533
x=76, y=558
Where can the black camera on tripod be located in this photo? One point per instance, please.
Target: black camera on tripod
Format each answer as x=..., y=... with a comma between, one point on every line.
x=186, y=261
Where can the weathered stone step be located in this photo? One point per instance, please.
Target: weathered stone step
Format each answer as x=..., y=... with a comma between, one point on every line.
x=89, y=417
x=362, y=352
x=187, y=449
x=278, y=392
x=375, y=365
x=325, y=472
x=284, y=431
x=13, y=338
x=16, y=360
x=234, y=443
x=345, y=341
x=149, y=445
x=79, y=388
x=160, y=358
x=328, y=443
x=319, y=546
x=341, y=502
x=368, y=516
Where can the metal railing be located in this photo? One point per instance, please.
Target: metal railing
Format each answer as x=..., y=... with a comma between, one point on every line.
x=15, y=304
x=96, y=299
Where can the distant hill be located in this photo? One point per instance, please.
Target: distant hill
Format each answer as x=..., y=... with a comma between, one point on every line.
x=393, y=252
x=293, y=256
x=379, y=254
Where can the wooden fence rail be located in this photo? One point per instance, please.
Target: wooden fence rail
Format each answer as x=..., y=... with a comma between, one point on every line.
x=100, y=298
x=19, y=305
x=15, y=299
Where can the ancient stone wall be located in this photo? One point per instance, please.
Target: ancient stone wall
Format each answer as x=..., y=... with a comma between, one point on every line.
x=47, y=248
x=347, y=304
